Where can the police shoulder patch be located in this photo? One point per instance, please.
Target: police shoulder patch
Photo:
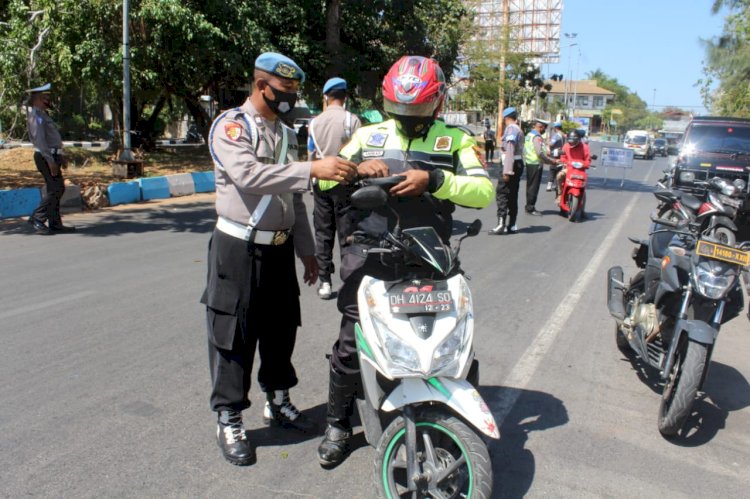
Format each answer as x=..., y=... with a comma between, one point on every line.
x=376, y=139
x=233, y=131
x=443, y=143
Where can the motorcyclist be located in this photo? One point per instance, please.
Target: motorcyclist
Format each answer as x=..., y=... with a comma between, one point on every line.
x=573, y=151
x=440, y=169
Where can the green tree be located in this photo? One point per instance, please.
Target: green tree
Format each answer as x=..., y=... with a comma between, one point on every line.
x=727, y=63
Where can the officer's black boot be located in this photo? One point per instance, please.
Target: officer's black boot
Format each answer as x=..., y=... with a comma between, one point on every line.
x=342, y=391
x=499, y=228
x=280, y=411
x=230, y=434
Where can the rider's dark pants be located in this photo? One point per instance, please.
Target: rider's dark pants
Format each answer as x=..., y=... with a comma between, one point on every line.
x=328, y=219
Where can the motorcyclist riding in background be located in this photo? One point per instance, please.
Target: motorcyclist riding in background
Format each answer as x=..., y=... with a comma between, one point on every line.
x=440, y=169
x=573, y=150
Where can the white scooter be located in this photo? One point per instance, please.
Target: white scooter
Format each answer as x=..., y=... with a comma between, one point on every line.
x=415, y=346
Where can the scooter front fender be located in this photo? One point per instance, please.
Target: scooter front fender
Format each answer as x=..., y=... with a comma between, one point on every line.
x=459, y=395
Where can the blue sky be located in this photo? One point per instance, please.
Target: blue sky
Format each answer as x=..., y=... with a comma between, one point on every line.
x=645, y=45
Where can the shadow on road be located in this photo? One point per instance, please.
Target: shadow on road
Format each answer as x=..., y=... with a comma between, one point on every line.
x=188, y=217
x=272, y=436
x=724, y=390
x=513, y=465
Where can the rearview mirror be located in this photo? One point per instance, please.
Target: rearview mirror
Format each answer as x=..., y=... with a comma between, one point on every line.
x=369, y=198
x=474, y=228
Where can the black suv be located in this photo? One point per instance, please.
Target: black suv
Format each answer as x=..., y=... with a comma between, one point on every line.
x=714, y=147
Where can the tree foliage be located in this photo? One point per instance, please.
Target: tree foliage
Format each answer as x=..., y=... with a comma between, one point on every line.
x=727, y=63
x=181, y=49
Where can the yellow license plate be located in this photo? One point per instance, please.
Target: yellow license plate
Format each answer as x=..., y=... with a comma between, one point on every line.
x=723, y=253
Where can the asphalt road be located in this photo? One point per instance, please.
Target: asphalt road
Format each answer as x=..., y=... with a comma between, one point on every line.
x=105, y=381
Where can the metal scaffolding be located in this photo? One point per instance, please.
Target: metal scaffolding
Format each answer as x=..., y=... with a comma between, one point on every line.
x=534, y=26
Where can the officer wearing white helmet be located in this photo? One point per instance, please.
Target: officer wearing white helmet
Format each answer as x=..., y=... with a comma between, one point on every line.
x=327, y=134
x=252, y=294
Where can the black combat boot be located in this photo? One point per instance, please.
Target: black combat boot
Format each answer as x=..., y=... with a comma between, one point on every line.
x=342, y=392
x=230, y=434
x=280, y=411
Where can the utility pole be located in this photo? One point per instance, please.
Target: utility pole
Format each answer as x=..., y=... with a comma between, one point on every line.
x=568, y=76
x=127, y=154
x=653, y=105
x=504, y=42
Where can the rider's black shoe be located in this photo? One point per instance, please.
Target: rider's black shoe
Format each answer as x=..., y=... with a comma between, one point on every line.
x=232, y=440
x=334, y=447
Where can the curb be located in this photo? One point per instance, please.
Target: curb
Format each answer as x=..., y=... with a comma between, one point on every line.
x=15, y=203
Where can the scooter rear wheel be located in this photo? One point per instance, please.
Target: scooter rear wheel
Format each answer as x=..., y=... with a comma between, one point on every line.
x=454, y=459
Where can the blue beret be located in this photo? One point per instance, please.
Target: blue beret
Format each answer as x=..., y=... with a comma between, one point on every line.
x=556, y=124
x=334, y=84
x=44, y=88
x=508, y=111
x=279, y=65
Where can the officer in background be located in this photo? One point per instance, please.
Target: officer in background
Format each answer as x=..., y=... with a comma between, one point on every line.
x=327, y=134
x=555, y=144
x=49, y=160
x=440, y=169
x=506, y=193
x=535, y=157
x=489, y=143
x=252, y=295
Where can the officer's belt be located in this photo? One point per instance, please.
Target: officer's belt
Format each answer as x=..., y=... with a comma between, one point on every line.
x=248, y=233
x=517, y=157
x=53, y=150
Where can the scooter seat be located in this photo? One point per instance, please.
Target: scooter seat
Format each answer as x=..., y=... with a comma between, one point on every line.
x=667, y=195
x=691, y=201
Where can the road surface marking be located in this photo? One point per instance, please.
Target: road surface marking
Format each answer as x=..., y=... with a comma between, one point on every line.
x=524, y=370
x=39, y=306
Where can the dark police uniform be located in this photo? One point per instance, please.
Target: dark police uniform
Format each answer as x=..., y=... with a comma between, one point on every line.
x=48, y=148
x=512, y=165
x=252, y=294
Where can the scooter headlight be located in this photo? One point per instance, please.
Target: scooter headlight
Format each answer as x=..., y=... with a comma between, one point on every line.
x=464, y=302
x=400, y=354
x=712, y=280
x=447, y=354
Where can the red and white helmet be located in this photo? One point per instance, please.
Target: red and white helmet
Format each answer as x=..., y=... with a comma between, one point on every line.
x=414, y=86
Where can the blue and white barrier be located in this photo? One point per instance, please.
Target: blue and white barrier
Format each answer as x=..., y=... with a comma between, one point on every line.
x=181, y=184
x=204, y=181
x=19, y=202
x=124, y=193
x=154, y=188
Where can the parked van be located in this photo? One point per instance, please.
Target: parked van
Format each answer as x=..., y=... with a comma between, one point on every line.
x=640, y=142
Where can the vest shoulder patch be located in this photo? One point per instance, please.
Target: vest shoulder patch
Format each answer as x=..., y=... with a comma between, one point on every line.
x=443, y=143
x=376, y=139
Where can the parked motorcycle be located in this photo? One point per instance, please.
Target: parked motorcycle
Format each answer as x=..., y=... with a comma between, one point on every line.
x=415, y=346
x=714, y=214
x=670, y=312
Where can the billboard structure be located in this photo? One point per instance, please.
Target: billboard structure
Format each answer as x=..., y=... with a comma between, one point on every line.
x=534, y=26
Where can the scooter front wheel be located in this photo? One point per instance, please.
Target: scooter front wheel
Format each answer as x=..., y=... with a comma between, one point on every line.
x=453, y=460
x=573, y=205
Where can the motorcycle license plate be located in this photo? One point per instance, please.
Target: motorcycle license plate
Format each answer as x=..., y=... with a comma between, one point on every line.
x=723, y=253
x=414, y=299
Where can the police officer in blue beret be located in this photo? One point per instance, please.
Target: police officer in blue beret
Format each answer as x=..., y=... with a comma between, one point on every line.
x=327, y=134
x=49, y=160
x=252, y=294
x=508, y=182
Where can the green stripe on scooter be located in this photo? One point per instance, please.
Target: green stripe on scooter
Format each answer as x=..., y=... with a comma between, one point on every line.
x=361, y=342
x=439, y=387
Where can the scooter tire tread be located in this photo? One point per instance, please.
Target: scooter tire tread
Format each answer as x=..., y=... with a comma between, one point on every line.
x=673, y=419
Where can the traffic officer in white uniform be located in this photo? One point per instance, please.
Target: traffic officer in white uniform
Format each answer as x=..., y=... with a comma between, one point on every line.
x=252, y=295
x=49, y=160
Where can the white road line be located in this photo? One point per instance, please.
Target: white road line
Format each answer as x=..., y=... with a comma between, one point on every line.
x=39, y=306
x=524, y=370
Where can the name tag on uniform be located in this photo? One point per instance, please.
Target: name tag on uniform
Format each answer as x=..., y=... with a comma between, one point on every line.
x=443, y=143
x=376, y=139
x=372, y=154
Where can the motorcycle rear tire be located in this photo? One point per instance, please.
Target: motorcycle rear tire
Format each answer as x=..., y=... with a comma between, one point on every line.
x=682, y=386
x=573, y=205
x=450, y=439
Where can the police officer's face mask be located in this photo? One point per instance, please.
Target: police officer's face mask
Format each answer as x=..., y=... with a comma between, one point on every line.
x=413, y=127
x=282, y=103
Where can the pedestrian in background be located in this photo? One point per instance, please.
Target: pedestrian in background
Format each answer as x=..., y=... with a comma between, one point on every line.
x=49, y=160
x=489, y=144
x=508, y=183
x=252, y=294
x=327, y=134
x=535, y=157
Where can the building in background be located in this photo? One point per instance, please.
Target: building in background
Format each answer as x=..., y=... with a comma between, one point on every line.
x=584, y=100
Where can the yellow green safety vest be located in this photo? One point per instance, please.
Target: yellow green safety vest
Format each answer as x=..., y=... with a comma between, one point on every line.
x=530, y=157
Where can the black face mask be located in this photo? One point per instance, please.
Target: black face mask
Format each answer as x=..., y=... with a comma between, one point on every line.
x=413, y=127
x=283, y=102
